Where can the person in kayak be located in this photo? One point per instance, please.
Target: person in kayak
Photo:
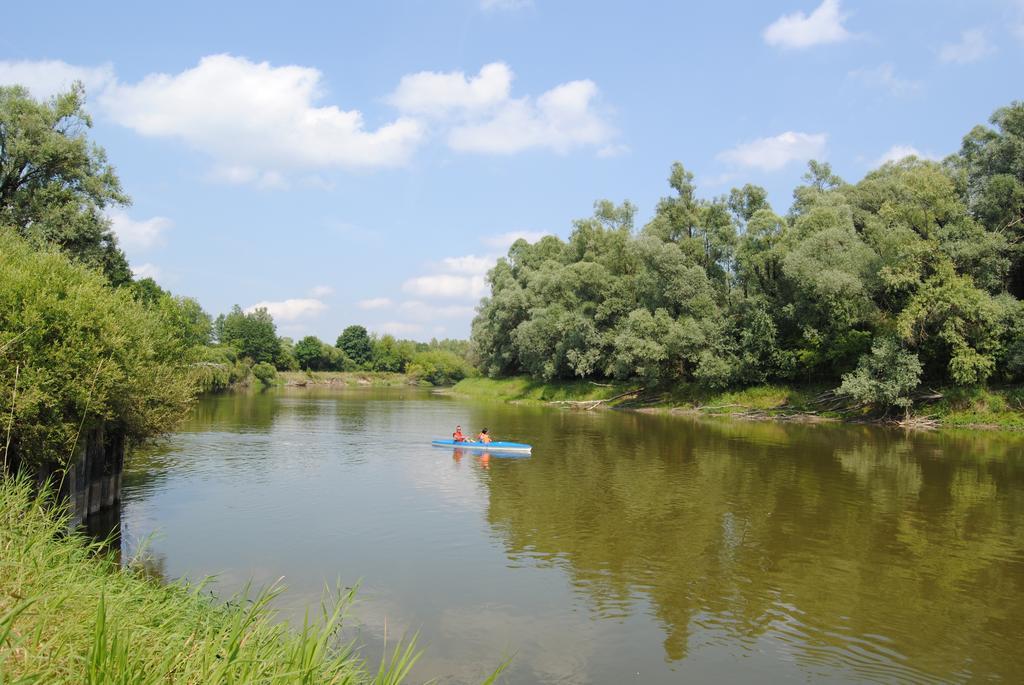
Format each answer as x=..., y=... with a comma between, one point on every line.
x=484, y=437
x=457, y=436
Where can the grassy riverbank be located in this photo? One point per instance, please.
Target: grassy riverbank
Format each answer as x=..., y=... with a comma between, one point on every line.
x=69, y=614
x=378, y=379
x=958, y=407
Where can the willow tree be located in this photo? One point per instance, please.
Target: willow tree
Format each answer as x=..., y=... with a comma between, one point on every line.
x=55, y=185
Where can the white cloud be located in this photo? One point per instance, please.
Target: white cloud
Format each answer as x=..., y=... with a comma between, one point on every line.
x=799, y=30
x=437, y=93
x=138, y=234
x=503, y=241
x=612, y=150
x=898, y=152
x=321, y=291
x=46, y=78
x=973, y=46
x=470, y=264
x=423, y=311
x=504, y=4
x=481, y=116
x=291, y=310
x=256, y=120
x=237, y=175
x=884, y=76
x=447, y=285
x=560, y=119
x=771, y=154
x=146, y=270
x=466, y=277
x=374, y=303
x=396, y=328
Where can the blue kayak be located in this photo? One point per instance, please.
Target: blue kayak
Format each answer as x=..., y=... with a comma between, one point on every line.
x=482, y=447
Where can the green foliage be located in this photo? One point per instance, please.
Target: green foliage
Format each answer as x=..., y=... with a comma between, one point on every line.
x=184, y=314
x=55, y=184
x=438, y=367
x=265, y=373
x=74, y=352
x=286, y=360
x=355, y=342
x=990, y=163
x=724, y=292
x=956, y=324
x=309, y=353
x=253, y=334
x=312, y=354
x=219, y=368
x=885, y=378
x=390, y=354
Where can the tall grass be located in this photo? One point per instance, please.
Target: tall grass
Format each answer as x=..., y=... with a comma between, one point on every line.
x=70, y=614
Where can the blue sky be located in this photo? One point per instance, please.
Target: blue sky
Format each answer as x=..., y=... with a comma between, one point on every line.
x=366, y=162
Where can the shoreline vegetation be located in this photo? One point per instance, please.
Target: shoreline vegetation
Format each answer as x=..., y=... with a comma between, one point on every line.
x=346, y=379
x=970, y=408
x=69, y=613
x=897, y=295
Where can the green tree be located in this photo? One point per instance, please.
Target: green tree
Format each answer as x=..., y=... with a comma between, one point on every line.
x=390, y=354
x=286, y=360
x=54, y=184
x=991, y=162
x=253, y=333
x=309, y=353
x=355, y=342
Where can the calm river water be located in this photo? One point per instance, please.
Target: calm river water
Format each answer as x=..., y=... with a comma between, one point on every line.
x=627, y=548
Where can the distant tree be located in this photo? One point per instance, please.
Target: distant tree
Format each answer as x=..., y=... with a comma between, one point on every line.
x=286, y=360
x=392, y=355
x=312, y=354
x=309, y=353
x=54, y=184
x=253, y=334
x=355, y=342
x=438, y=367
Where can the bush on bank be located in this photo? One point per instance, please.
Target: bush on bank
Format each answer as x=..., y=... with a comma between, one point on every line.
x=75, y=352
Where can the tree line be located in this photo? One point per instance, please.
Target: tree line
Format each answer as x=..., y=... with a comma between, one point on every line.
x=913, y=274
x=253, y=336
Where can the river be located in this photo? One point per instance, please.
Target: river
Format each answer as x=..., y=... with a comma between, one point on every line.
x=626, y=548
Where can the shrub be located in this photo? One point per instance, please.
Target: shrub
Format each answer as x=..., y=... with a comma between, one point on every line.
x=885, y=378
x=265, y=373
x=74, y=353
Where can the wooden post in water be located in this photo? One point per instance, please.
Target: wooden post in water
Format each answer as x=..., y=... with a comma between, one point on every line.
x=93, y=480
